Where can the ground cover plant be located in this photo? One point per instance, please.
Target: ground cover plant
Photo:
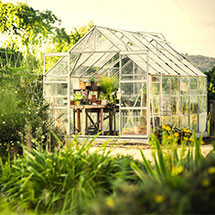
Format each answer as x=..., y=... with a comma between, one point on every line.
x=71, y=180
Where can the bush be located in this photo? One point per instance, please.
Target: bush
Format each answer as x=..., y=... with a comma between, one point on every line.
x=62, y=181
x=175, y=192
x=24, y=114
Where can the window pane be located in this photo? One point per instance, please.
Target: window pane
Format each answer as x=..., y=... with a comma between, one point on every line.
x=175, y=90
x=202, y=85
x=133, y=94
x=166, y=85
x=155, y=88
x=133, y=122
x=184, y=86
x=155, y=105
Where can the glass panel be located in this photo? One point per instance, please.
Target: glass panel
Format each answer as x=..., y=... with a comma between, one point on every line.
x=155, y=89
x=86, y=44
x=133, y=94
x=193, y=86
x=60, y=116
x=133, y=122
x=202, y=104
x=156, y=79
x=175, y=120
x=55, y=89
x=194, y=109
x=184, y=121
x=175, y=83
x=166, y=85
x=193, y=122
x=60, y=69
x=102, y=43
x=175, y=105
x=56, y=100
x=184, y=105
x=175, y=110
x=202, y=85
x=166, y=119
x=166, y=105
x=202, y=122
x=131, y=71
x=155, y=105
x=184, y=86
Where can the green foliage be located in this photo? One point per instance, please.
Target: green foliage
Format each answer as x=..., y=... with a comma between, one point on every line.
x=61, y=182
x=27, y=23
x=170, y=132
x=178, y=182
x=9, y=57
x=211, y=83
x=24, y=114
x=109, y=87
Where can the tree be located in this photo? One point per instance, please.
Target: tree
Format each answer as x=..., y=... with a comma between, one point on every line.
x=28, y=29
x=211, y=83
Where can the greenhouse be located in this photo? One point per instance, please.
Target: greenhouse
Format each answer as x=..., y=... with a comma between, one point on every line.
x=125, y=84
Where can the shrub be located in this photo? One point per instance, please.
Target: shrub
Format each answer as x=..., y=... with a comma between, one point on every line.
x=62, y=181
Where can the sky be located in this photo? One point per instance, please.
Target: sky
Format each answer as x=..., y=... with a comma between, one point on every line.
x=189, y=25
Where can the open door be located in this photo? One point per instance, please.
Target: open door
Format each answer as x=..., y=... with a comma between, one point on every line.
x=133, y=100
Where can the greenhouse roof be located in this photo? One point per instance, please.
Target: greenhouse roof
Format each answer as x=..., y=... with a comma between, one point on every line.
x=145, y=49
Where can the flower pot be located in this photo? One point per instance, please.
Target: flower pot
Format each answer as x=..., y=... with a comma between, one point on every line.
x=93, y=98
x=99, y=102
x=77, y=102
x=93, y=85
x=104, y=102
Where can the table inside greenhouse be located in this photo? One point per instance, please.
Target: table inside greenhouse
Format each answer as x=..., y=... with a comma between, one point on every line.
x=82, y=114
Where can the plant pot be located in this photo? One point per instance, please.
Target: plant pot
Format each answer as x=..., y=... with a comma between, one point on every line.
x=93, y=85
x=72, y=102
x=104, y=102
x=84, y=102
x=93, y=97
x=99, y=102
x=77, y=102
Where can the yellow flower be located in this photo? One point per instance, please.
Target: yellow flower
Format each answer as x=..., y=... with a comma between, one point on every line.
x=176, y=134
x=178, y=170
x=110, y=202
x=202, y=142
x=186, y=130
x=168, y=128
x=191, y=139
x=164, y=126
x=169, y=137
x=159, y=198
x=185, y=138
x=211, y=170
x=205, y=182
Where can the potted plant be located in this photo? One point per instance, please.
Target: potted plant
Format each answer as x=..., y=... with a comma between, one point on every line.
x=109, y=86
x=79, y=96
x=93, y=80
x=103, y=99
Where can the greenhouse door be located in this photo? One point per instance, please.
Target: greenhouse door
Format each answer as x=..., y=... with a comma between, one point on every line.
x=133, y=102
